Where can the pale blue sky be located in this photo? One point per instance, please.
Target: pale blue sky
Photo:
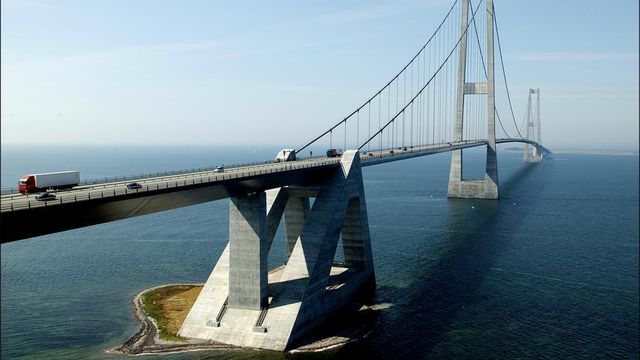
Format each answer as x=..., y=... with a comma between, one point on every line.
x=277, y=72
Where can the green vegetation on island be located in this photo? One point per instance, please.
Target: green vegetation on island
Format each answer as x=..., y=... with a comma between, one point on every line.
x=169, y=306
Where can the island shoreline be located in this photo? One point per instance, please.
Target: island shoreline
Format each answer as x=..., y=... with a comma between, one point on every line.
x=146, y=340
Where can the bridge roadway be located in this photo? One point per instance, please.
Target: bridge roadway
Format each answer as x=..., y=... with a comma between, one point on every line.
x=22, y=216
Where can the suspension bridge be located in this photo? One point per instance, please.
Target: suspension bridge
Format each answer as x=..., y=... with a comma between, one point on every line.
x=442, y=100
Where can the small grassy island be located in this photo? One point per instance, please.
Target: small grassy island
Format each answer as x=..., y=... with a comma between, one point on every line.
x=169, y=306
x=161, y=311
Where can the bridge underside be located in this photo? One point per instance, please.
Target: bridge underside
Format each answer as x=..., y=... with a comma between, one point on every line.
x=241, y=304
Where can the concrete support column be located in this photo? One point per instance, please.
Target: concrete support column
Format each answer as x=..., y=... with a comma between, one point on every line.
x=455, y=174
x=295, y=215
x=354, y=236
x=248, y=252
x=491, y=172
x=539, y=139
x=276, y=201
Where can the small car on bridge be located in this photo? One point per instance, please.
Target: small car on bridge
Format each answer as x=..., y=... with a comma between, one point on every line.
x=45, y=196
x=133, y=186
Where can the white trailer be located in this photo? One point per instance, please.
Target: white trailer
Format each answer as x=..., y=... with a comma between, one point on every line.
x=57, y=179
x=53, y=180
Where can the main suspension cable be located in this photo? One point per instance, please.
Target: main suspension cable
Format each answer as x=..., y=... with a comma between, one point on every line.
x=425, y=85
x=504, y=74
x=388, y=83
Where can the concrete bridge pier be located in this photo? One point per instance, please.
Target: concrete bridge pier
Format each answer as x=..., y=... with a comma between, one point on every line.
x=244, y=304
x=248, y=252
x=532, y=154
x=486, y=188
x=295, y=215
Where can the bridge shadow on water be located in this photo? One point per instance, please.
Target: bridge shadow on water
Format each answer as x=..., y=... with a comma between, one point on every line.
x=424, y=311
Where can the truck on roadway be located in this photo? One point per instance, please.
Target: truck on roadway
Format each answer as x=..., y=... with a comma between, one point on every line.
x=333, y=153
x=286, y=155
x=53, y=180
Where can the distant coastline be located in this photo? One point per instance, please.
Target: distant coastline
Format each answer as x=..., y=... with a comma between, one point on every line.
x=597, y=152
x=584, y=151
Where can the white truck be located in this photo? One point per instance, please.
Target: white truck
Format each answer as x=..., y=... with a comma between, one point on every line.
x=286, y=155
x=53, y=180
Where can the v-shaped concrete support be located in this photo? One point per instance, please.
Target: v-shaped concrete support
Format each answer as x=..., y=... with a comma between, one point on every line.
x=310, y=287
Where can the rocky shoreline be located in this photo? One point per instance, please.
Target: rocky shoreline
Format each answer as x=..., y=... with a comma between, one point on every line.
x=147, y=341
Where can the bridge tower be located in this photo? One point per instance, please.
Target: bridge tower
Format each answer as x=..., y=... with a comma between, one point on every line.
x=533, y=153
x=488, y=187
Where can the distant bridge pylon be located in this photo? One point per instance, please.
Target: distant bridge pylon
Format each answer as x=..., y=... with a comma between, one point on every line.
x=533, y=153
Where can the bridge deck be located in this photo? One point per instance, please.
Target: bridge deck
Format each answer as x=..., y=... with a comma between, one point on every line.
x=113, y=190
x=22, y=216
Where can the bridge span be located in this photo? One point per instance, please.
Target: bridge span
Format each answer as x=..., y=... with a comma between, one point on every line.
x=23, y=216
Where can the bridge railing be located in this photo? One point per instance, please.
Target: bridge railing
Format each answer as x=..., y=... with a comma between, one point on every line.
x=197, y=176
x=143, y=176
x=163, y=183
x=115, y=180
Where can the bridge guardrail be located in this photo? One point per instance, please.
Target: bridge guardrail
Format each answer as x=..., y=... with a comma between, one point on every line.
x=107, y=180
x=115, y=179
x=162, y=183
x=232, y=172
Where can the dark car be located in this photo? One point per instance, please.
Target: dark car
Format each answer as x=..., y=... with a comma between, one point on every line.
x=133, y=186
x=45, y=196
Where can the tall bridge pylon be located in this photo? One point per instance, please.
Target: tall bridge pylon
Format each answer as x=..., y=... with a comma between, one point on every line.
x=458, y=186
x=533, y=154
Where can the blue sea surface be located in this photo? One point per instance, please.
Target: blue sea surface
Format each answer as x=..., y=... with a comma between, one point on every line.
x=548, y=271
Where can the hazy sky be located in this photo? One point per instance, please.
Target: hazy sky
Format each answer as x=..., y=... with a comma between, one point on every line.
x=277, y=72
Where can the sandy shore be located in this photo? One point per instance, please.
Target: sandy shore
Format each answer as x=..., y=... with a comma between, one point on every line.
x=355, y=326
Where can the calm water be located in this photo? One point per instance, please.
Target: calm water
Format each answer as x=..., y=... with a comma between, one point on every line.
x=548, y=271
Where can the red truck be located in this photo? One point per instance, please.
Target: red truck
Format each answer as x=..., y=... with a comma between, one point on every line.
x=55, y=180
